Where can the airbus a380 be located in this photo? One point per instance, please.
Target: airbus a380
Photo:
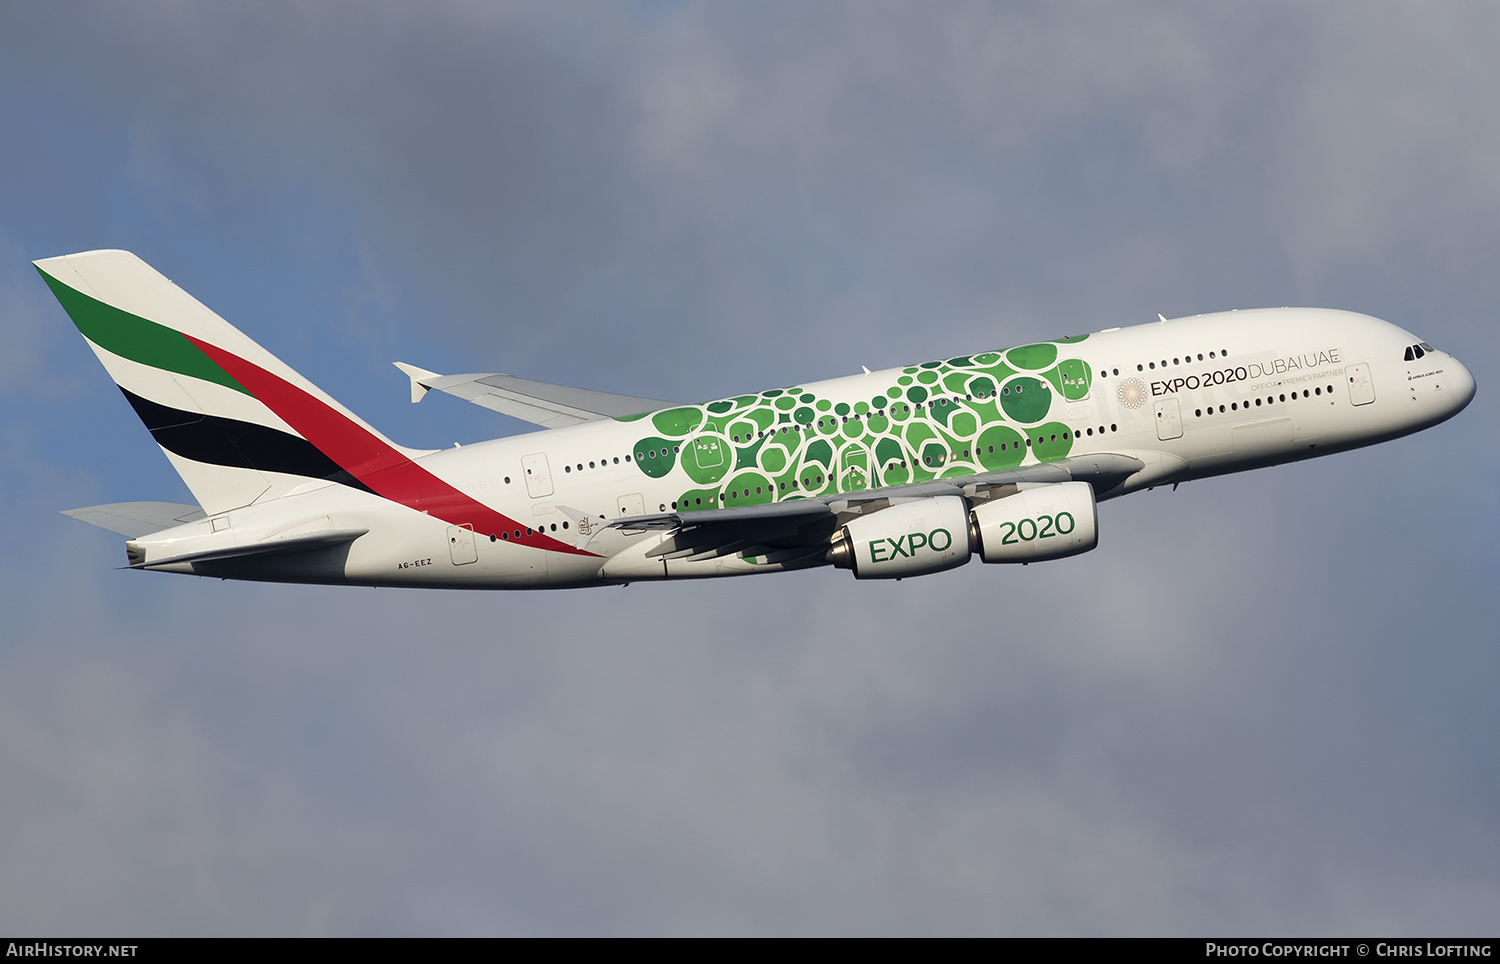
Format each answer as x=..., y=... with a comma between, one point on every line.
x=1002, y=454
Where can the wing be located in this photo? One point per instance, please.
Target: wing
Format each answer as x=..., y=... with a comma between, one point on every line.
x=542, y=403
x=799, y=530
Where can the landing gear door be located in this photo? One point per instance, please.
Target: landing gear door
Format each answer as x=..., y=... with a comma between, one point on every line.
x=1361, y=385
x=538, y=475
x=1168, y=419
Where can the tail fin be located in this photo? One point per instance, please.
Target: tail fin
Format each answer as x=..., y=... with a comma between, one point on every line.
x=238, y=424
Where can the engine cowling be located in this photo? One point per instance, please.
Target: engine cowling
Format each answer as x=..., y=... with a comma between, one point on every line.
x=1038, y=521
x=906, y=539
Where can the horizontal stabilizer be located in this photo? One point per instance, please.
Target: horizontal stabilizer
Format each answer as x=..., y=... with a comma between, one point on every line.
x=541, y=403
x=131, y=519
x=326, y=539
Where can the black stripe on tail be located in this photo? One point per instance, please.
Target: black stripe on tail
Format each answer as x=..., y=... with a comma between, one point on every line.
x=242, y=445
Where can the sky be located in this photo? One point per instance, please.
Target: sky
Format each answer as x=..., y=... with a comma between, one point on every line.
x=1266, y=704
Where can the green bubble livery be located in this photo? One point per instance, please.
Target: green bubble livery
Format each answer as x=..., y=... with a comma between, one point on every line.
x=941, y=419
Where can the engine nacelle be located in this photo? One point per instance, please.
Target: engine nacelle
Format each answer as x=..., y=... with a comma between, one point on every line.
x=907, y=539
x=1039, y=521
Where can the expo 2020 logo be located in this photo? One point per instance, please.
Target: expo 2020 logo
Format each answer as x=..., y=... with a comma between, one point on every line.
x=1131, y=393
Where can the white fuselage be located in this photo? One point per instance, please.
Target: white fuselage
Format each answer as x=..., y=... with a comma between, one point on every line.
x=1190, y=398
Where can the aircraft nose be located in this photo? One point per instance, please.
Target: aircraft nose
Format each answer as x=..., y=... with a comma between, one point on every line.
x=1460, y=381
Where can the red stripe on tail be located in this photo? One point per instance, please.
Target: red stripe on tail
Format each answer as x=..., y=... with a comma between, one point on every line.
x=386, y=471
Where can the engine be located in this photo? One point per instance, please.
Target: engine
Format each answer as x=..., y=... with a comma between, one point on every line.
x=1029, y=522
x=907, y=539
x=1037, y=521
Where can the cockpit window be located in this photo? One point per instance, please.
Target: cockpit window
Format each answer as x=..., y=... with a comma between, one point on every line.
x=1409, y=355
x=1426, y=347
x=1419, y=351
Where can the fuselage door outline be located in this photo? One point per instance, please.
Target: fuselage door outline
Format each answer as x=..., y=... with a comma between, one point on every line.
x=461, y=545
x=1168, y=419
x=1361, y=385
x=538, y=475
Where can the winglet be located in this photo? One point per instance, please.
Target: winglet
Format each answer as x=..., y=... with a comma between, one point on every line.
x=417, y=376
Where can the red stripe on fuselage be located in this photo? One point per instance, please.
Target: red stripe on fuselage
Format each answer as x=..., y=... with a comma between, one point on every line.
x=386, y=471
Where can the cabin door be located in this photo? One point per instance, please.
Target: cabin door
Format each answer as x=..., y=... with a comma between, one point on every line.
x=461, y=545
x=854, y=469
x=538, y=475
x=1361, y=386
x=1168, y=419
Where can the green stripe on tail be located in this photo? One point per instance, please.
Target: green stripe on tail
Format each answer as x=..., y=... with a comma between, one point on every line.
x=136, y=338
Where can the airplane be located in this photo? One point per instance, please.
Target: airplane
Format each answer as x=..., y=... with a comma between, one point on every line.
x=1002, y=454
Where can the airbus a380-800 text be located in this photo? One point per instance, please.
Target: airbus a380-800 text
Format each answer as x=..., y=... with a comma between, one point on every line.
x=1001, y=454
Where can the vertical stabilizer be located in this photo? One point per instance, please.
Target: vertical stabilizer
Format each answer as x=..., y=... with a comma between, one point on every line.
x=238, y=424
